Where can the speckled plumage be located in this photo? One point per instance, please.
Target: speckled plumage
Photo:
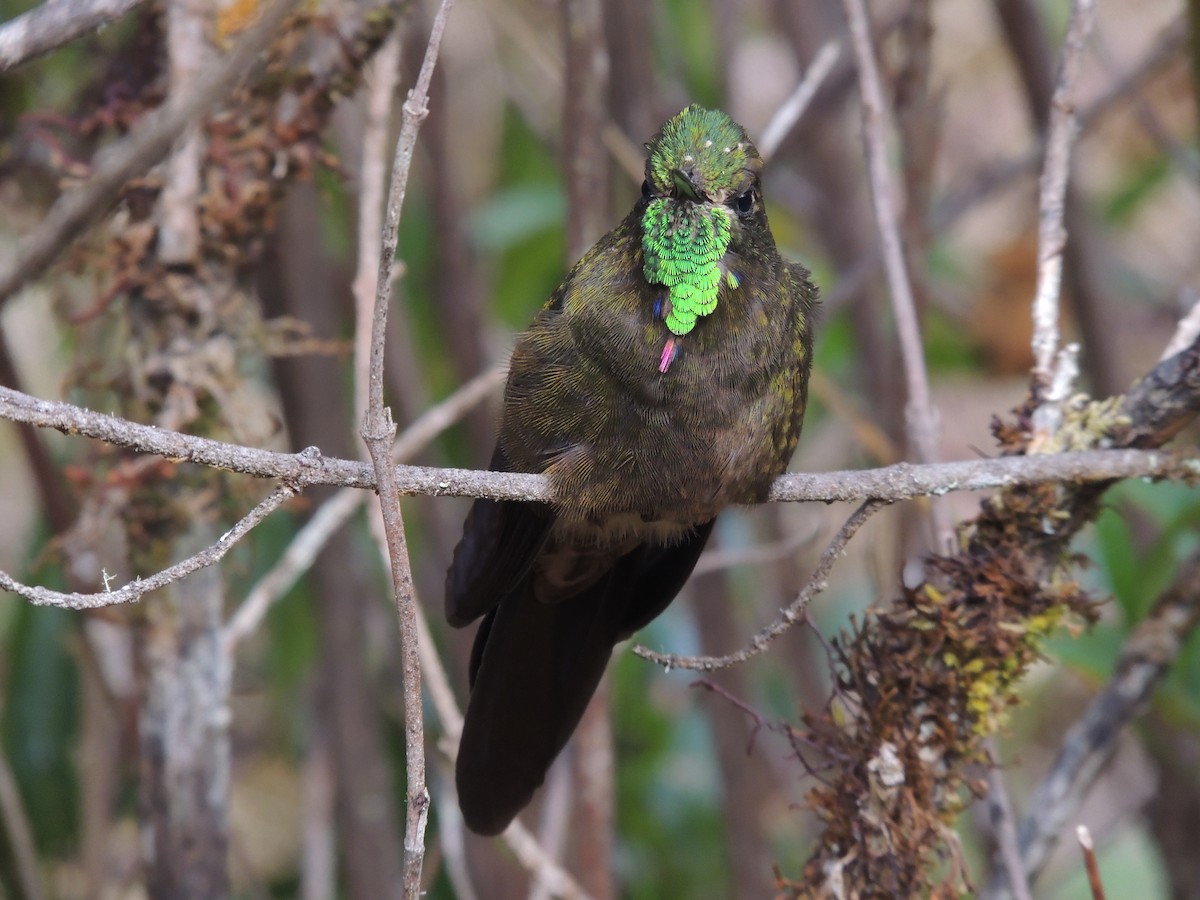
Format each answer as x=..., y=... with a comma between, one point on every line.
x=645, y=433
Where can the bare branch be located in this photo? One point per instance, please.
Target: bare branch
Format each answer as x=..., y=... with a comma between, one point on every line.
x=922, y=417
x=792, y=615
x=793, y=107
x=551, y=876
x=902, y=481
x=378, y=432
x=1186, y=331
x=1004, y=826
x=19, y=834
x=173, y=445
x=297, y=559
x=146, y=145
x=1088, y=846
x=133, y=591
x=54, y=23
x=1052, y=237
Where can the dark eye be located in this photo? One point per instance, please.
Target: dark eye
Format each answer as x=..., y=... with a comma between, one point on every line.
x=646, y=189
x=743, y=203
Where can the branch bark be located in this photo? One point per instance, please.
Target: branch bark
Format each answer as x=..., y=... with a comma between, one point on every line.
x=378, y=432
x=902, y=481
x=54, y=23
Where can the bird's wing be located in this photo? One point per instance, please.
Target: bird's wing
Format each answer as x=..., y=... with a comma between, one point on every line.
x=501, y=539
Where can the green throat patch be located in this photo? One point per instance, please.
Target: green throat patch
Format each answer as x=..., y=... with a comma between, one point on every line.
x=682, y=244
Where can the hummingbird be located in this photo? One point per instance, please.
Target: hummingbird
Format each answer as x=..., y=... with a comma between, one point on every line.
x=664, y=380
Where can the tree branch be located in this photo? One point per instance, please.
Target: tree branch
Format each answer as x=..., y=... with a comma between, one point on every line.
x=922, y=415
x=378, y=432
x=790, y=111
x=794, y=613
x=902, y=481
x=1052, y=237
x=133, y=591
x=54, y=23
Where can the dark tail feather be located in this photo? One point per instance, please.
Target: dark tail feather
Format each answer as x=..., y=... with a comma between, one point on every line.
x=538, y=665
x=535, y=666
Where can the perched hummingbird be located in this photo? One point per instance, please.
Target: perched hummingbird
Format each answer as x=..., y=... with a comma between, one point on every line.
x=663, y=381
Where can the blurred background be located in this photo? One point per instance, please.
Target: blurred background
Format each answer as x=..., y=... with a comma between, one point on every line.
x=709, y=793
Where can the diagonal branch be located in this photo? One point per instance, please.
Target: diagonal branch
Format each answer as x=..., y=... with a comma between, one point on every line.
x=794, y=613
x=54, y=23
x=133, y=591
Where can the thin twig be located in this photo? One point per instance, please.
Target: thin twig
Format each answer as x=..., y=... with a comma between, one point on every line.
x=378, y=432
x=922, y=416
x=793, y=614
x=533, y=856
x=1088, y=846
x=133, y=591
x=380, y=83
x=1052, y=236
x=384, y=518
x=794, y=106
x=188, y=52
x=146, y=145
x=1004, y=826
x=754, y=555
x=54, y=23
x=19, y=834
x=295, y=560
x=1186, y=331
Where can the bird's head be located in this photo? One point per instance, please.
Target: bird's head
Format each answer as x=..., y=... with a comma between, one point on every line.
x=702, y=196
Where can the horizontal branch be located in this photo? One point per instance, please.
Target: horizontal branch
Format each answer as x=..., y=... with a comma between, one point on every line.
x=902, y=481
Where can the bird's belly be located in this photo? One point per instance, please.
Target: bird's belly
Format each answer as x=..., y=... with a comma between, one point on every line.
x=661, y=475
